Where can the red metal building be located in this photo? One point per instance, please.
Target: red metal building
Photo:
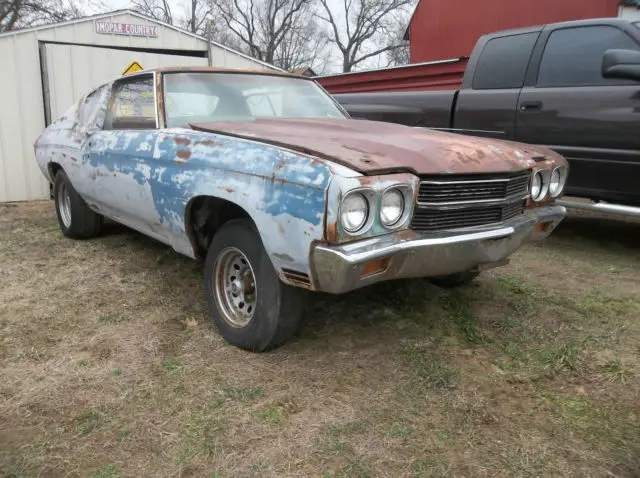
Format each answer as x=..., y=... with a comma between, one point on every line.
x=450, y=28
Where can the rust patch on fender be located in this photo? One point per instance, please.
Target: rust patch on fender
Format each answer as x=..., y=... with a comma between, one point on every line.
x=183, y=154
x=332, y=233
x=207, y=142
x=280, y=228
x=183, y=141
x=227, y=188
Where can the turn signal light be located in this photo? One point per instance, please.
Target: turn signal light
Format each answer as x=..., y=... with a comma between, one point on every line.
x=374, y=267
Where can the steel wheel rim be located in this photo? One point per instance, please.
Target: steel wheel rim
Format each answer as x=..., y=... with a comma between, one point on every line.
x=64, y=204
x=234, y=287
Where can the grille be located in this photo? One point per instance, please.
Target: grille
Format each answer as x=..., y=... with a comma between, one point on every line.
x=459, y=190
x=299, y=277
x=459, y=202
x=431, y=220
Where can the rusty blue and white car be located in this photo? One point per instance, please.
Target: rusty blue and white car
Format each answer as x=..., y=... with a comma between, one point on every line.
x=266, y=177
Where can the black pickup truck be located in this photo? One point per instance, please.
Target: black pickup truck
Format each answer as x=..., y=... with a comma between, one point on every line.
x=573, y=87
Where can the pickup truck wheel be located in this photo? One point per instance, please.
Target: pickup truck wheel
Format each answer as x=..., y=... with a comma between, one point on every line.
x=455, y=280
x=251, y=307
x=75, y=218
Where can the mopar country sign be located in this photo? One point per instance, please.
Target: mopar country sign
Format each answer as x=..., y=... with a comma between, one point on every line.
x=110, y=28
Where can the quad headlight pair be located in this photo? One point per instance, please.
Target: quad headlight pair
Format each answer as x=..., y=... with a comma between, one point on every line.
x=359, y=208
x=543, y=183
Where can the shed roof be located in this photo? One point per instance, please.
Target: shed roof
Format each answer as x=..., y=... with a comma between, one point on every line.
x=91, y=18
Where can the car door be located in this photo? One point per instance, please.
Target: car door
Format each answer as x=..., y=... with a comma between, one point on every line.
x=568, y=106
x=122, y=168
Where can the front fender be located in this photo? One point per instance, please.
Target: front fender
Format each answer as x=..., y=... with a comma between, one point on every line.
x=283, y=192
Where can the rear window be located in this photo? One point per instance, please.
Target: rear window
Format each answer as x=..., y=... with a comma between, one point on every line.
x=503, y=62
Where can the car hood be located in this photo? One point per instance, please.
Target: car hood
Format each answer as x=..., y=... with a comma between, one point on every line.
x=374, y=147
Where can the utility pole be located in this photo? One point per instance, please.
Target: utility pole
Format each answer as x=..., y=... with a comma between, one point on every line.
x=209, y=40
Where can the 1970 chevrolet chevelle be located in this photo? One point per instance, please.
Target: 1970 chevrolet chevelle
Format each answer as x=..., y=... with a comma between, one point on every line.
x=266, y=176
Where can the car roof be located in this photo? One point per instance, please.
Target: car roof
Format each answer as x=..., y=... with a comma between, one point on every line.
x=211, y=69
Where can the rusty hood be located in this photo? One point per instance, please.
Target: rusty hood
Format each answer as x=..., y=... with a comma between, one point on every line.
x=373, y=147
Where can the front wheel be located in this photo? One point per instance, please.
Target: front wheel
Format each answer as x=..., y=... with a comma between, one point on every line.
x=455, y=280
x=251, y=307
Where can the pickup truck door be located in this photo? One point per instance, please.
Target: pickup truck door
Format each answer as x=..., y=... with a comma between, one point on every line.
x=487, y=102
x=567, y=105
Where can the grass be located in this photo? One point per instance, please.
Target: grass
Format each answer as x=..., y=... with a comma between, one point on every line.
x=112, y=368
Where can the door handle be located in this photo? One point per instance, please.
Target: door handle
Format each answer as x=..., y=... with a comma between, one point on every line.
x=531, y=106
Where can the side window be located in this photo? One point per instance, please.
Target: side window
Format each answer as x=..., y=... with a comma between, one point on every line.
x=92, y=110
x=573, y=56
x=132, y=105
x=503, y=62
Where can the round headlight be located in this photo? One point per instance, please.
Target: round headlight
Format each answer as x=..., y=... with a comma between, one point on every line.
x=558, y=178
x=538, y=189
x=354, y=212
x=391, y=207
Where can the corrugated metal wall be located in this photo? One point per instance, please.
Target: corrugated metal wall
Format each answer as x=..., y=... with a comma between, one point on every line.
x=450, y=28
x=21, y=93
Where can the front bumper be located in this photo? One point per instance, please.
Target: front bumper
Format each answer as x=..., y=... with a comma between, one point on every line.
x=409, y=254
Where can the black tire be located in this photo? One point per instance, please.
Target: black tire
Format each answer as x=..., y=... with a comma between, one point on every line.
x=81, y=222
x=278, y=307
x=455, y=280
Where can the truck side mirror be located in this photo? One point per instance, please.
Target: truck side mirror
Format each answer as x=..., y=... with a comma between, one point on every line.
x=621, y=64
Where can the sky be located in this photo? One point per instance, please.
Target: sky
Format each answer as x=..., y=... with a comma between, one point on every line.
x=179, y=8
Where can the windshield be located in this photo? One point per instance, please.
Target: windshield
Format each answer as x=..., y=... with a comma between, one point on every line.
x=205, y=97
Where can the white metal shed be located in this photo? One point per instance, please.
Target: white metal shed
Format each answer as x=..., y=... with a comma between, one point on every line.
x=45, y=69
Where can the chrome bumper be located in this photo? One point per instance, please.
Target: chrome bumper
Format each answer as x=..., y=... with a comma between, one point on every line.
x=407, y=254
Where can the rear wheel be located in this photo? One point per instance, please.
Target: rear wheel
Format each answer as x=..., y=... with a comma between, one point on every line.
x=455, y=280
x=75, y=218
x=251, y=307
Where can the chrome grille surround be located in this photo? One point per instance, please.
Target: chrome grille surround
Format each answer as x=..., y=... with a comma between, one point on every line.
x=467, y=201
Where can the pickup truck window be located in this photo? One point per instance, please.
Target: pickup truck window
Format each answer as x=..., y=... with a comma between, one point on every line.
x=573, y=56
x=503, y=62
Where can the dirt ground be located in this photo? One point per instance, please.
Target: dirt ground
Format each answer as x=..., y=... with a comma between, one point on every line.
x=110, y=367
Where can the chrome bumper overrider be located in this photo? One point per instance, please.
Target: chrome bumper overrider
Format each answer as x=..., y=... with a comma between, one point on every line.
x=407, y=253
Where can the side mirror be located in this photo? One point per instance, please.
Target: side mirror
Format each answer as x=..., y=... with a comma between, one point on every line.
x=621, y=64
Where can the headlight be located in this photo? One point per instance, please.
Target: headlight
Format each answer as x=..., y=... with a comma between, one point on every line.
x=354, y=212
x=558, y=179
x=391, y=207
x=539, y=187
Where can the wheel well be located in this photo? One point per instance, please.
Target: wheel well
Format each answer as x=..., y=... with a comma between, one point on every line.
x=204, y=215
x=53, y=170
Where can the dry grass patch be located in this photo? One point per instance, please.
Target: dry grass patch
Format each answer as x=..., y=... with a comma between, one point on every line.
x=111, y=368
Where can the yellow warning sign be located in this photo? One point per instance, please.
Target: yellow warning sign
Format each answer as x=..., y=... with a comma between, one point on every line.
x=132, y=68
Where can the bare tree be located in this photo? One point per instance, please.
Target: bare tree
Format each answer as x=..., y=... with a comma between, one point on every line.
x=157, y=9
x=362, y=30
x=262, y=26
x=26, y=13
x=305, y=45
x=401, y=55
x=197, y=15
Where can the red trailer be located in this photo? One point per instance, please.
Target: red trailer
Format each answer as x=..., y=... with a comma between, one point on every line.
x=435, y=75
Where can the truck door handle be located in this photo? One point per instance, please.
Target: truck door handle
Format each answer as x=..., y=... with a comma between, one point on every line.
x=531, y=106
